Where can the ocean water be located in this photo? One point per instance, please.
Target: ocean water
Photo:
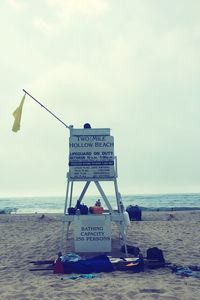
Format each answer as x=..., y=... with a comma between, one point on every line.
x=164, y=202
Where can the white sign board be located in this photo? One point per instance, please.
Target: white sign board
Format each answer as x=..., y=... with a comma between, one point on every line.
x=92, y=233
x=91, y=154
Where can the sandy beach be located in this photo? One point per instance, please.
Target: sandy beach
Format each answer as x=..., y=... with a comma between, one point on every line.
x=28, y=237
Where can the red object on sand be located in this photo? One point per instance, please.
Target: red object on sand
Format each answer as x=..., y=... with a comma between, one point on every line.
x=58, y=267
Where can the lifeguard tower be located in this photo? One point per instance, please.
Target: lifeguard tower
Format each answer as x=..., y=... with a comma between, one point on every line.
x=91, y=159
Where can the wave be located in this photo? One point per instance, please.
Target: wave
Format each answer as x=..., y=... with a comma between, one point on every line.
x=184, y=208
x=8, y=210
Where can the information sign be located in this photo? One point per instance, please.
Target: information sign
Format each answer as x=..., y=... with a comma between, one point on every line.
x=91, y=155
x=92, y=233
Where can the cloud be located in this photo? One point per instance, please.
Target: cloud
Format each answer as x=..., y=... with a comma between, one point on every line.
x=17, y=5
x=45, y=26
x=76, y=88
x=67, y=9
x=64, y=14
x=132, y=66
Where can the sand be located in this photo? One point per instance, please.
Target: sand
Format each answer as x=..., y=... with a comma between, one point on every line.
x=27, y=237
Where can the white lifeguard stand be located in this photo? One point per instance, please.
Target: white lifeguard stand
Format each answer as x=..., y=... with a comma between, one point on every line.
x=91, y=159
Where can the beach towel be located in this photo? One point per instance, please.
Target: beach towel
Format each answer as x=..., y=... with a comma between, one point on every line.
x=97, y=264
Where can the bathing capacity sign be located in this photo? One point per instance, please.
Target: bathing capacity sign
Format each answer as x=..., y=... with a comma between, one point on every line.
x=92, y=233
x=91, y=154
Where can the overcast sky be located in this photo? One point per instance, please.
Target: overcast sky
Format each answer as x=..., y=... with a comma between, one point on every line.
x=132, y=66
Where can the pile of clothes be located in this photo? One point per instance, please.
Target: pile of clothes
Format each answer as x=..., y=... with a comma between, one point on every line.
x=186, y=271
x=72, y=263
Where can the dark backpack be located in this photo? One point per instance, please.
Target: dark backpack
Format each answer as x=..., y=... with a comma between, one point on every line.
x=71, y=211
x=131, y=249
x=135, y=213
x=155, y=254
x=84, y=209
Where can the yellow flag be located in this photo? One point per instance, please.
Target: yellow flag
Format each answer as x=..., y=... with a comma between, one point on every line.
x=17, y=115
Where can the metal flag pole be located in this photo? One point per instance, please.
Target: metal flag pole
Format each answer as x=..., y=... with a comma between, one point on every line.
x=46, y=109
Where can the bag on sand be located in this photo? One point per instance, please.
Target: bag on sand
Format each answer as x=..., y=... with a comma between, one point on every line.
x=155, y=254
x=131, y=249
